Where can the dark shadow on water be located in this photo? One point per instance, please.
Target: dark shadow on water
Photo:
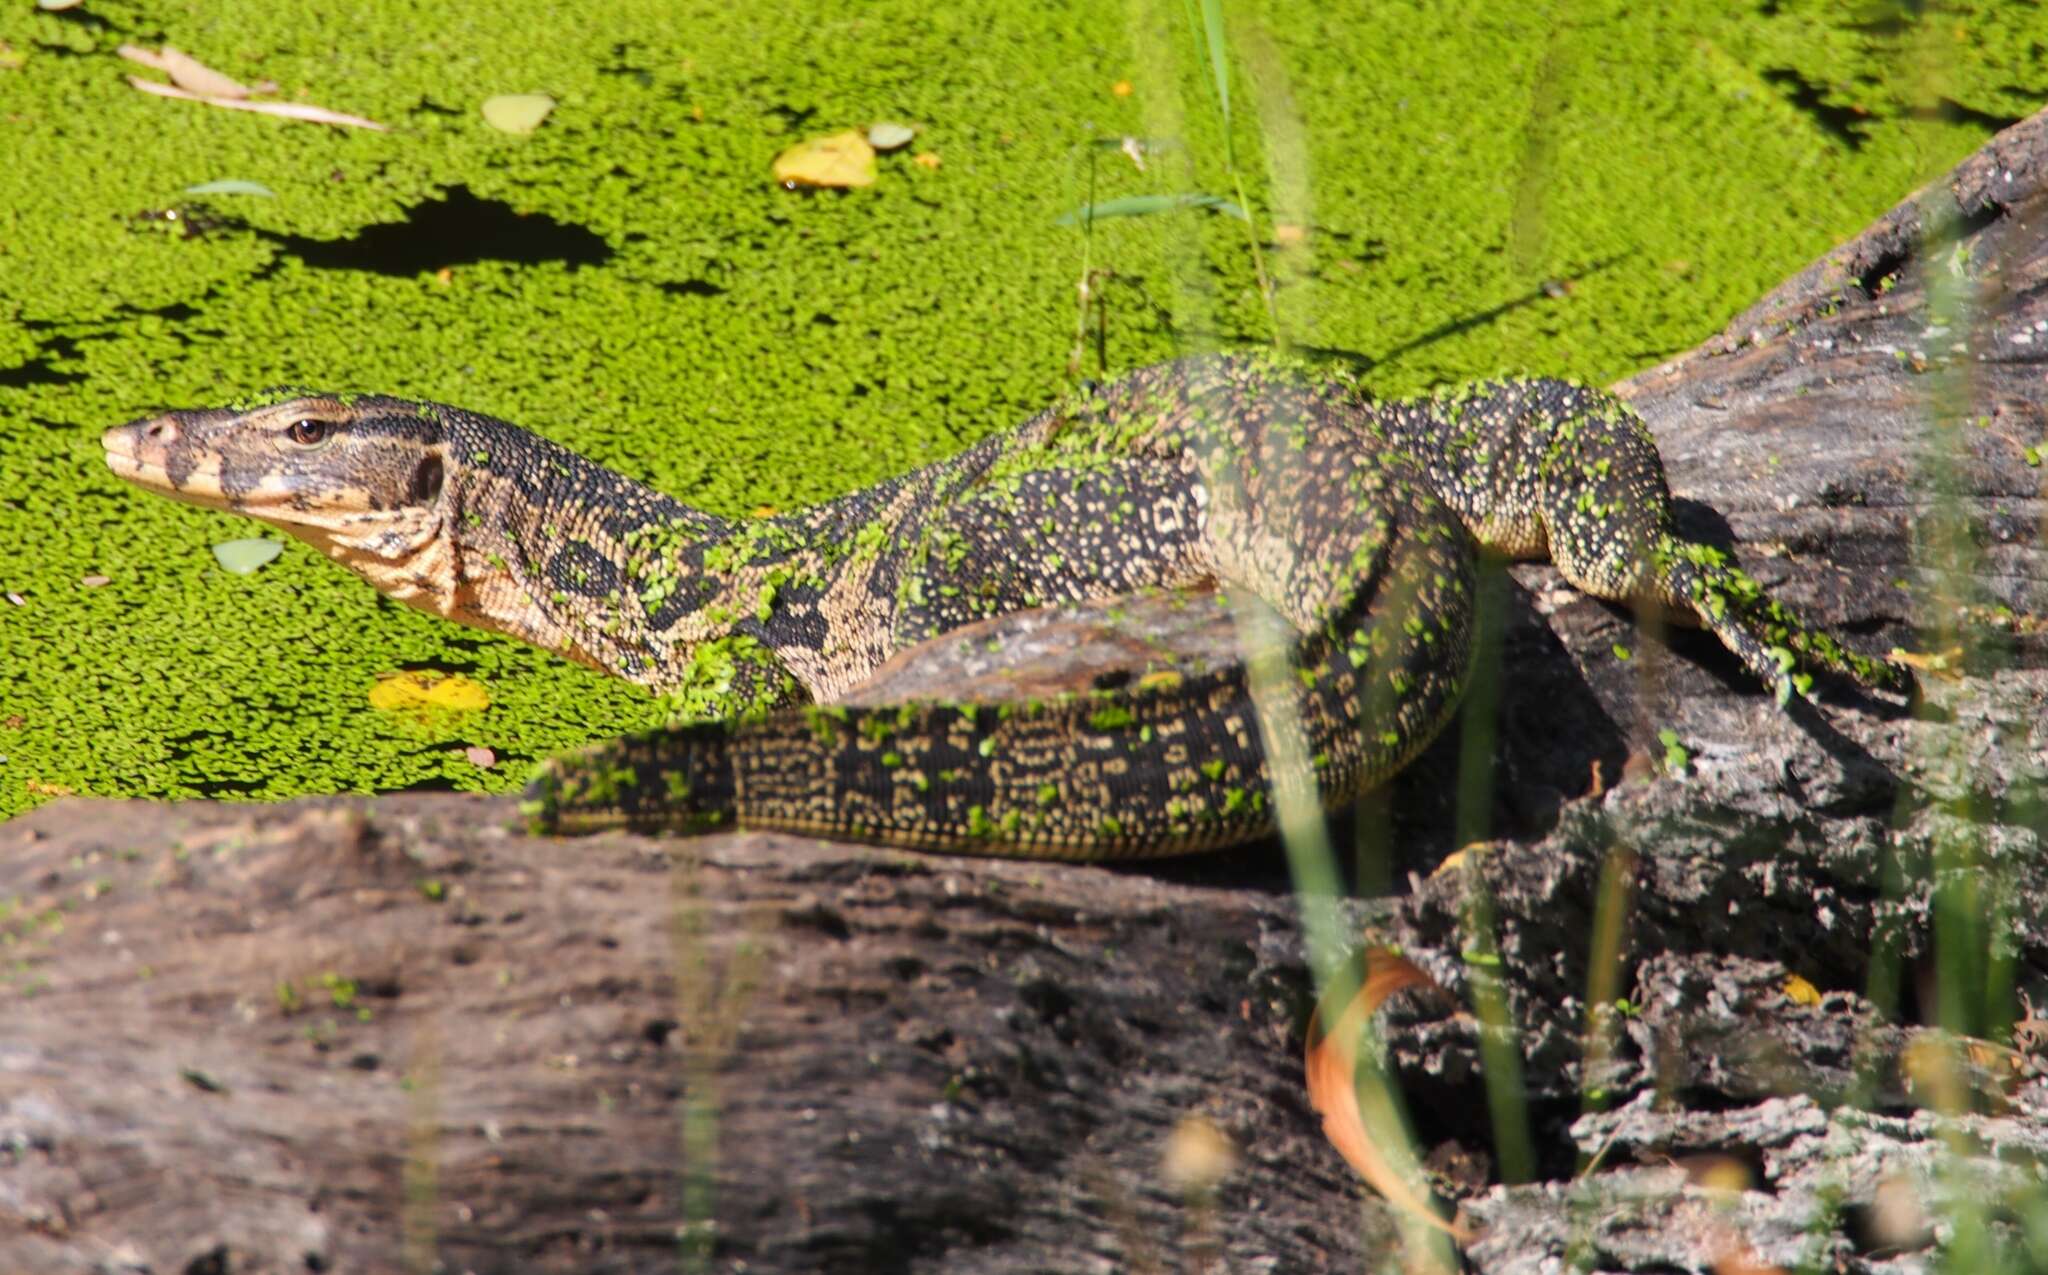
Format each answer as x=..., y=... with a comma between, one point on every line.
x=457, y=230
x=1845, y=124
x=42, y=370
x=1458, y=327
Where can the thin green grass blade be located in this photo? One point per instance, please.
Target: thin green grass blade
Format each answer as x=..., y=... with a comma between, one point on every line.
x=1219, y=70
x=1146, y=205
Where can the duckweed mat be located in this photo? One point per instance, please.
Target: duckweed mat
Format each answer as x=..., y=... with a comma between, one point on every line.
x=1444, y=190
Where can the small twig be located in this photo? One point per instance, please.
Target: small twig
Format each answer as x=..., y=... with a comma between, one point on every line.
x=1084, y=288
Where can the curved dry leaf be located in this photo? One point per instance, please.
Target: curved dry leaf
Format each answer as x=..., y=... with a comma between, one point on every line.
x=287, y=110
x=517, y=113
x=839, y=160
x=1331, y=1068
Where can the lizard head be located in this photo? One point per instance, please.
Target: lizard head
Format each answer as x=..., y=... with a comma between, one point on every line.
x=448, y=511
x=359, y=477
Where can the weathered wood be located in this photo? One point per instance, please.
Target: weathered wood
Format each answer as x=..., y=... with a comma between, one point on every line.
x=346, y=1034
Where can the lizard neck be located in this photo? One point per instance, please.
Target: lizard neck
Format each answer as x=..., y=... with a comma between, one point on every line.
x=539, y=543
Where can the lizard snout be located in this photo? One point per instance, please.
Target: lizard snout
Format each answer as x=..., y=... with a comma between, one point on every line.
x=131, y=440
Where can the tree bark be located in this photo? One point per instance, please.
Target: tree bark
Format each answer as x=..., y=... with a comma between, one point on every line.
x=353, y=1035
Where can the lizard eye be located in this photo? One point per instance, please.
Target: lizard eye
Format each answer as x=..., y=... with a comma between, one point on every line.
x=309, y=432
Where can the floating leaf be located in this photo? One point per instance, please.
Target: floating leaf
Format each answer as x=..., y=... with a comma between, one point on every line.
x=840, y=160
x=424, y=693
x=243, y=556
x=232, y=186
x=517, y=112
x=1144, y=205
x=889, y=137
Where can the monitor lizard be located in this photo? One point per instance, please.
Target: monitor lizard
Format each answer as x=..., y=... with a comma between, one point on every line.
x=1361, y=522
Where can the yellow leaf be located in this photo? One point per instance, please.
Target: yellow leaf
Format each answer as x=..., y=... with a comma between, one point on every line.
x=1799, y=991
x=843, y=159
x=420, y=693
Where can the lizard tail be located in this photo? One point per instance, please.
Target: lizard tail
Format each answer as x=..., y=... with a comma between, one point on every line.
x=1177, y=767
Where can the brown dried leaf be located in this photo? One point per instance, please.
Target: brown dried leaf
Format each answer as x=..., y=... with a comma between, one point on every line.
x=1331, y=1067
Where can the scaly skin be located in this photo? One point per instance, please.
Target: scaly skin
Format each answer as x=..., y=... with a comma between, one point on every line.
x=1358, y=522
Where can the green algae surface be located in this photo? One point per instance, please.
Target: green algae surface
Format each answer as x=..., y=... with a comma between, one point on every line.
x=1570, y=188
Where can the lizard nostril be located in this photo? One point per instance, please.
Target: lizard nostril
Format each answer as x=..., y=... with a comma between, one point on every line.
x=162, y=430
